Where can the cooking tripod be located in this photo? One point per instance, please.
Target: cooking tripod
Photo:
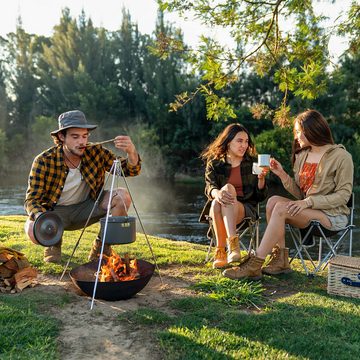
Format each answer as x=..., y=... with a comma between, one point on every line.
x=116, y=170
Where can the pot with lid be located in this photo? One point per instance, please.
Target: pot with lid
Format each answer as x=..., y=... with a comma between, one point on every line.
x=120, y=229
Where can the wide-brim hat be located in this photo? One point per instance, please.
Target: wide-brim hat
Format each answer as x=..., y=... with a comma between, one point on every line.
x=73, y=119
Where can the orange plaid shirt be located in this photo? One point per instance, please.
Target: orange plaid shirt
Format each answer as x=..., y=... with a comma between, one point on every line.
x=49, y=171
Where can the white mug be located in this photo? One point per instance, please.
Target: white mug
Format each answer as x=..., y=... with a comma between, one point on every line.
x=256, y=169
x=264, y=160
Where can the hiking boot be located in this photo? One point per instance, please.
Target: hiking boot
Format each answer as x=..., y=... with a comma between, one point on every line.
x=233, y=246
x=96, y=250
x=52, y=254
x=279, y=262
x=220, y=259
x=250, y=269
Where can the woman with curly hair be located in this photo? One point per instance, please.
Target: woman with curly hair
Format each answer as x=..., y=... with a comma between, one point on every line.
x=233, y=191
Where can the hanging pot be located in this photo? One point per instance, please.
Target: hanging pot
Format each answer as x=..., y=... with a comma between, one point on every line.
x=120, y=229
x=48, y=229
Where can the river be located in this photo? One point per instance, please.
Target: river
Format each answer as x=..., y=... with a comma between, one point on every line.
x=169, y=210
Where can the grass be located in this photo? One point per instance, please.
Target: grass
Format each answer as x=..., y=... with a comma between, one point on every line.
x=285, y=317
x=27, y=331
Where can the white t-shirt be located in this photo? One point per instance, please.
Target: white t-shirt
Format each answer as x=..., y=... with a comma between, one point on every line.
x=75, y=188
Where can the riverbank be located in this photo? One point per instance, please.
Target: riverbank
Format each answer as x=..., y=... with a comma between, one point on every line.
x=190, y=313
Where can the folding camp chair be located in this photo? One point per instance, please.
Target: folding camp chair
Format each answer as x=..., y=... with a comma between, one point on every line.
x=306, y=238
x=249, y=226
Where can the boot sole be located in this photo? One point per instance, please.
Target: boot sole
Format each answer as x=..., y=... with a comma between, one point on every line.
x=220, y=267
x=53, y=261
x=287, y=271
x=251, y=278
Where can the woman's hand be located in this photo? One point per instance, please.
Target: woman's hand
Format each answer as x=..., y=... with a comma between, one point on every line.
x=295, y=207
x=223, y=197
x=261, y=178
x=278, y=170
x=276, y=167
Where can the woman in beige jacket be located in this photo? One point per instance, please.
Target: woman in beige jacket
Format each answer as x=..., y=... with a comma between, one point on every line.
x=322, y=185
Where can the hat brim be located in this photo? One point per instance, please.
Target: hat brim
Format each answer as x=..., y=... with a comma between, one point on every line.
x=90, y=127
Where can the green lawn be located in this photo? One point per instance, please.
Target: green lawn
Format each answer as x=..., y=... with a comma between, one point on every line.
x=285, y=317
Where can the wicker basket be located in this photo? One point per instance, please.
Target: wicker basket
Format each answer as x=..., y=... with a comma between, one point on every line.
x=344, y=276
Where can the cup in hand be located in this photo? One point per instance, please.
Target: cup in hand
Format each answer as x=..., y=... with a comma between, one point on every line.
x=256, y=169
x=264, y=160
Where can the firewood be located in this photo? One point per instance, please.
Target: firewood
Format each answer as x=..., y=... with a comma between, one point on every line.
x=11, y=265
x=114, y=275
x=8, y=253
x=25, y=274
x=5, y=272
x=9, y=282
x=127, y=263
x=23, y=284
x=22, y=263
x=4, y=257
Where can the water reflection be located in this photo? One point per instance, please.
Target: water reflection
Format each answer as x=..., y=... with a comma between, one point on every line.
x=166, y=210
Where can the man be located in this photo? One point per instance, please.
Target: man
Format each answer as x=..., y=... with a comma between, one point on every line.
x=68, y=178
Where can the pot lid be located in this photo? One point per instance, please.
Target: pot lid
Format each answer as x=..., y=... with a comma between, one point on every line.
x=48, y=229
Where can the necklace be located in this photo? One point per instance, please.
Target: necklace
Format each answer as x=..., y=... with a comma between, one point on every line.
x=75, y=167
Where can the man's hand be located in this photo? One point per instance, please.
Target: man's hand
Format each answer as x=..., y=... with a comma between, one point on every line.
x=124, y=143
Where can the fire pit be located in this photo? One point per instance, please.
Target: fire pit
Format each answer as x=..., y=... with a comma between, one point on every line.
x=84, y=278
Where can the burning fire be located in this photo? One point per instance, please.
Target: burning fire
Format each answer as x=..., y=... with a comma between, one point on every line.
x=117, y=269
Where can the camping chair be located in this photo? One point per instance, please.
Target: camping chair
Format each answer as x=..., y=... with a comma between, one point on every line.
x=248, y=226
x=306, y=238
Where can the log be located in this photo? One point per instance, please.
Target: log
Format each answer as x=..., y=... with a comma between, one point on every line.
x=11, y=265
x=114, y=275
x=5, y=272
x=5, y=256
x=9, y=282
x=25, y=274
x=127, y=264
x=23, y=284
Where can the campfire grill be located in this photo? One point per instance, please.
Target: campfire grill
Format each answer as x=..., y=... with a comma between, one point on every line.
x=83, y=278
x=86, y=277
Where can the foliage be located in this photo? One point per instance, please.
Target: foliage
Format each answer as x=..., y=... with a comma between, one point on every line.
x=262, y=43
x=278, y=143
x=126, y=81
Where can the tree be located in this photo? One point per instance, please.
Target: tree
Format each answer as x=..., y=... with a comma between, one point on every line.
x=23, y=52
x=297, y=55
x=78, y=69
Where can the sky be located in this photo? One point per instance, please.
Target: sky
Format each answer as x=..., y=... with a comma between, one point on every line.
x=39, y=17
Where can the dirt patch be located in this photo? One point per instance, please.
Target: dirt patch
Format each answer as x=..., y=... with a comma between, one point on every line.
x=97, y=333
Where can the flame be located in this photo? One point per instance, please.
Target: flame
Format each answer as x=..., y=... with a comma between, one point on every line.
x=117, y=269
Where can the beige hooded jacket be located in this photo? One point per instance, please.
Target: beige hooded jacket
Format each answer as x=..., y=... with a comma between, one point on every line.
x=333, y=181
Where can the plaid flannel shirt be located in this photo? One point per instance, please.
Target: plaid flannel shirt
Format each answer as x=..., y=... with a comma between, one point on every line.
x=49, y=171
x=217, y=174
